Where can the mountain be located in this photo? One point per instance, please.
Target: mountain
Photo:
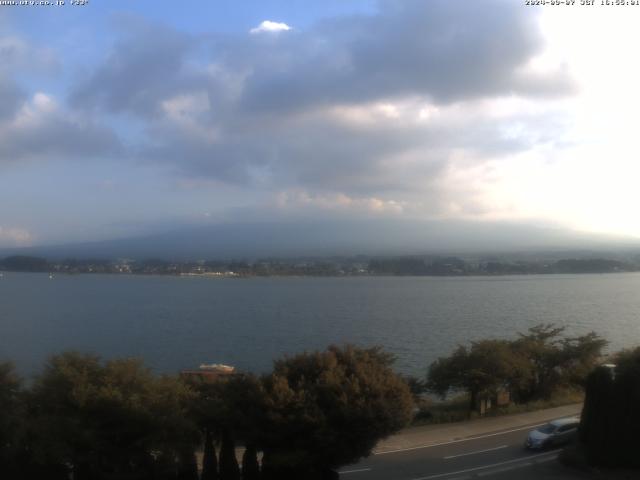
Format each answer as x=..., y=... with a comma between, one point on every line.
x=330, y=238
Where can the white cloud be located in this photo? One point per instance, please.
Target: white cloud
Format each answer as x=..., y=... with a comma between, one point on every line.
x=15, y=237
x=269, y=26
x=18, y=53
x=41, y=128
x=297, y=199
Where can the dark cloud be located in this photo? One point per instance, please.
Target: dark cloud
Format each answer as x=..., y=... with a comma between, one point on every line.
x=11, y=97
x=259, y=110
x=44, y=132
x=443, y=49
x=446, y=50
x=144, y=67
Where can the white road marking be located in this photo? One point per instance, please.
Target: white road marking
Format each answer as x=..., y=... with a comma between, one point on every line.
x=477, y=451
x=528, y=427
x=506, y=469
x=355, y=471
x=546, y=460
x=484, y=467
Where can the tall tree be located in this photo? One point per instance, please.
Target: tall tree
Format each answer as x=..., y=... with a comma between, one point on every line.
x=533, y=366
x=209, y=459
x=188, y=465
x=108, y=418
x=327, y=409
x=12, y=417
x=610, y=422
x=250, y=465
x=229, y=469
x=482, y=370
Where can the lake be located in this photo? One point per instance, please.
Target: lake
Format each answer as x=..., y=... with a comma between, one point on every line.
x=180, y=322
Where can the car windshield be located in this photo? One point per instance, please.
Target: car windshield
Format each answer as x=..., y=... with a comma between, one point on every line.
x=548, y=428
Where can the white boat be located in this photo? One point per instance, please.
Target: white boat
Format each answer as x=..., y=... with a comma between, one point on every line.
x=219, y=367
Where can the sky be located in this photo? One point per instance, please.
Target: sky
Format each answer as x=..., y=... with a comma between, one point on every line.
x=127, y=118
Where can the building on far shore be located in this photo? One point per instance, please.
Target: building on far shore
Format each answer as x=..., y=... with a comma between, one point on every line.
x=209, y=372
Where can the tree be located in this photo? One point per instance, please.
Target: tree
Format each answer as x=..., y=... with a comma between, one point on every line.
x=541, y=347
x=555, y=361
x=11, y=420
x=22, y=263
x=250, y=466
x=482, y=370
x=209, y=459
x=327, y=409
x=597, y=415
x=229, y=469
x=110, y=418
x=230, y=409
x=535, y=365
x=579, y=356
x=188, y=465
x=610, y=423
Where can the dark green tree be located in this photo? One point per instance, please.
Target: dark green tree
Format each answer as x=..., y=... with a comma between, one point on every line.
x=610, y=423
x=328, y=409
x=187, y=465
x=233, y=406
x=597, y=416
x=12, y=418
x=229, y=469
x=555, y=361
x=250, y=465
x=541, y=347
x=482, y=370
x=108, y=419
x=209, y=459
x=533, y=366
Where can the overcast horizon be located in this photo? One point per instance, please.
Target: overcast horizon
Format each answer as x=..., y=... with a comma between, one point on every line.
x=124, y=119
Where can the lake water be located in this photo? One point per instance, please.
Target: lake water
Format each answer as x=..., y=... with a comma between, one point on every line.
x=180, y=322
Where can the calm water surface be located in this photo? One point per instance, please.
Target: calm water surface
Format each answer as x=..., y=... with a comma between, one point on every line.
x=179, y=322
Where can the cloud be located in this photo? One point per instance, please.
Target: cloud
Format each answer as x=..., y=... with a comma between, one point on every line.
x=268, y=26
x=16, y=53
x=143, y=69
x=15, y=237
x=11, y=97
x=42, y=129
x=445, y=50
x=380, y=106
x=293, y=201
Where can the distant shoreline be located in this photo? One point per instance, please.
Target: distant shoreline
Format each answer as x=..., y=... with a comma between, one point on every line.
x=372, y=275
x=414, y=266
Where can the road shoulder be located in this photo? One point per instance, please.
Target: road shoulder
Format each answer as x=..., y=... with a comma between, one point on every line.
x=430, y=435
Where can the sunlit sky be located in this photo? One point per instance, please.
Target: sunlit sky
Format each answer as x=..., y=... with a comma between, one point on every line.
x=122, y=118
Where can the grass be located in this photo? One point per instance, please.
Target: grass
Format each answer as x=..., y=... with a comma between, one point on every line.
x=456, y=409
x=431, y=411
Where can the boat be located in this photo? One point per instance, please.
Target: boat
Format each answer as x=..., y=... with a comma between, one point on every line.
x=218, y=367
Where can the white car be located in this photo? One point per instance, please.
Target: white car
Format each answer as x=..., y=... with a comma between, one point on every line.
x=553, y=433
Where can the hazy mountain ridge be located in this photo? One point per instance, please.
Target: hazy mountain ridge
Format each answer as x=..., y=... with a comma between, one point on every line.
x=345, y=238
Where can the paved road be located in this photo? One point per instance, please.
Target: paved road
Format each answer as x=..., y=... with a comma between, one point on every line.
x=496, y=454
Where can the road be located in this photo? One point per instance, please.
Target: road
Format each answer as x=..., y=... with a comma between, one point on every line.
x=495, y=455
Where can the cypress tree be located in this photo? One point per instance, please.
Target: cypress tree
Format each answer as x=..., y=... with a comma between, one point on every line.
x=188, y=466
x=229, y=469
x=625, y=427
x=250, y=466
x=209, y=459
x=596, y=415
x=610, y=423
x=165, y=467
